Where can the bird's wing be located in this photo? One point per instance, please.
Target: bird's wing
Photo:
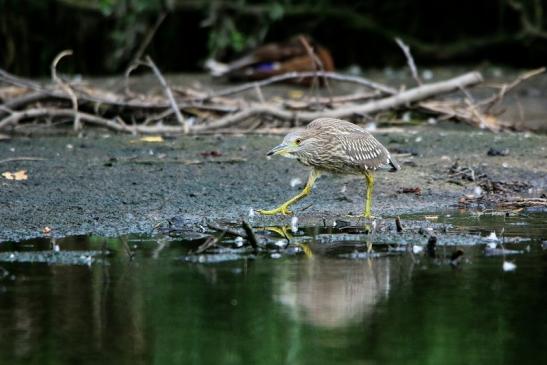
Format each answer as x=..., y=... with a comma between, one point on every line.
x=362, y=150
x=336, y=126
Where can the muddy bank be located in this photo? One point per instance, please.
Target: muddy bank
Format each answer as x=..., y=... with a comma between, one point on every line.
x=112, y=184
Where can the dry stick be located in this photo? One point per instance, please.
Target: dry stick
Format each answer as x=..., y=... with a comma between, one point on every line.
x=22, y=100
x=504, y=88
x=82, y=96
x=300, y=75
x=317, y=64
x=409, y=60
x=114, y=124
x=66, y=87
x=250, y=235
x=168, y=93
x=13, y=159
x=53, y=112
x=405, y=97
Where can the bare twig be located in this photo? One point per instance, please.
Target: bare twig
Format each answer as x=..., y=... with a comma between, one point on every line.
x=317, y=64
x=398, y=224
x=13, y=159
x=301, y=75
x=53, y=112
x=251, y=237
x=403, y=98
x=523, y=203
x=66, y=87
x=409, y=60
x=490, y=102
x=168, y=93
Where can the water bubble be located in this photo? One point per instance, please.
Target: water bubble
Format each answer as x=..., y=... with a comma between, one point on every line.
x=294, y=224
x=417, y=249
x=509, y=266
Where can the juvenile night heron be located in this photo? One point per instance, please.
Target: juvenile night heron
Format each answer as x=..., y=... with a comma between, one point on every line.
x=335, y=146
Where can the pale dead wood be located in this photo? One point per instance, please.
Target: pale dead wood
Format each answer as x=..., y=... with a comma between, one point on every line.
x=65, y=86
x=523, y=203
x=168, y=93
x=479, y=114
x=302, y=75
x=492, y=101
x=318, y=65
x=15, y=117
x=22, y=158
x=409, y=60
x=403, y=98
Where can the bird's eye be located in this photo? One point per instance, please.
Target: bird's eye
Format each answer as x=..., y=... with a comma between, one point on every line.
x=298, y=141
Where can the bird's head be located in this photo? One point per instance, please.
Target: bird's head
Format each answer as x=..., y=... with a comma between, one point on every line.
x=294, y=145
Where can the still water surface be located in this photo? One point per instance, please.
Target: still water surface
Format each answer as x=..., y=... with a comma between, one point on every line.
x=399, y=309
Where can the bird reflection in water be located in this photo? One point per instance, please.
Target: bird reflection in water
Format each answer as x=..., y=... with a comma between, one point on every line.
x=329, y=292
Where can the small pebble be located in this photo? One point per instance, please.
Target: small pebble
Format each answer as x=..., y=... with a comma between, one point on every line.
x=497, y=152
x=427, y=75
x=295, y=182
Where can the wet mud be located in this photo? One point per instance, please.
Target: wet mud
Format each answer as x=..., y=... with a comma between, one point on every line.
x=110, y=185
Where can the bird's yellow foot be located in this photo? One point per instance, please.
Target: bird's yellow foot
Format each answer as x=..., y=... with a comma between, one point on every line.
x=282, y=209
x=283, y=231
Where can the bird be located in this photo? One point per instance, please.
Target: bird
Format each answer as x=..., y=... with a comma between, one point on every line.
x=333, y=146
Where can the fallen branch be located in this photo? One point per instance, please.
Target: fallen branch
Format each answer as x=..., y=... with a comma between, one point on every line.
x=409, y=60
x=523, y=203
x=251, y=237
x=403, y=98
x=66, y=87
x=168, y=93
x=14, y=159
x=302, y=75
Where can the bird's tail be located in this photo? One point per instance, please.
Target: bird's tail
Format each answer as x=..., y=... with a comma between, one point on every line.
x=394, y=164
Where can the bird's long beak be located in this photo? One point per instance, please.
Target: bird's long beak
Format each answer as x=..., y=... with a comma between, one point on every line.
x=279, y=149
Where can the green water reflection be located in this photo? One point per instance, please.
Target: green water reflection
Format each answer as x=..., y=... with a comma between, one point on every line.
x=293, y=310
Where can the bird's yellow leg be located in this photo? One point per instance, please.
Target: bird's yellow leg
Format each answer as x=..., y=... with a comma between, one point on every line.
x=284, y=208
x=282, y=231
x=369, y=178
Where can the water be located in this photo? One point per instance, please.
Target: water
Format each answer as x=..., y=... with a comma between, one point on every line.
x=297, y=309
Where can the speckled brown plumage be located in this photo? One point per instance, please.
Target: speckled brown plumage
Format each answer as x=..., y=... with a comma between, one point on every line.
x=338, y=146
